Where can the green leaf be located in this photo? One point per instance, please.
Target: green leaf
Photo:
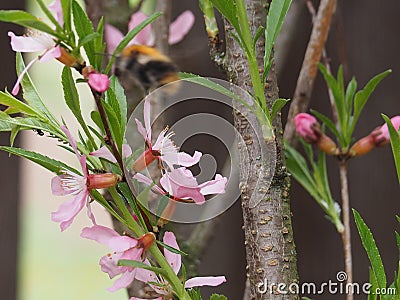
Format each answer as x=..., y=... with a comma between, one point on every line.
x=395, y=142
x=115, y=126
x=172, y=249
x=126, y=192
x=194, y=294
x=350, y=91
x=218, y=297
x=374, y=285
x=50, y=164
x=131, y=34
x=362, y=96
x=31, y=95
x=100, y=199
x=328, y=122
x=229, y=10
x=25, y=19
x=16, y=105
x=88, y=39
x=138, y=264
x=277, y=106
x=257, y=35
x=96, y=118
x=99, y=44
x=371, y=249
x=66, y=7
x=84, y=28
x=276, y=15
x=119, y=92
x=71, y=97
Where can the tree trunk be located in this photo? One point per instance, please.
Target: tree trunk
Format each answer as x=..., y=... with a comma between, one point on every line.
x=270, y=249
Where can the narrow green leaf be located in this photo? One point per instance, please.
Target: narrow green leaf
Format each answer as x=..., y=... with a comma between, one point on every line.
x=218, y=297
x=100, y=199
x=126, y=192
x=371, y=249
x=328, y=122
x=276, y=15
x=362, y=96
x=66, y=8
x=374, y=285
x=50, y=164
x=131, y=34
x=172, y=249
x=257, y=35
x=99, y=45
x=88, y=39
x=84, y=28
x=277, y=106
x=14, y=132
x=119, y=92
x=17, y=105
x=113, y=123
x=229, y=10
x=25, y=19
x=350, y=91
x=194, y=294
x=96, y=118
x=138, y=264
x=395, y=142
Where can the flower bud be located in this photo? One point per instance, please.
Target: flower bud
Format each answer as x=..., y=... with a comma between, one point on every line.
x=97, y=81
x=102, y=181
x=309, y=129
x=146, y=158
x=377, y=138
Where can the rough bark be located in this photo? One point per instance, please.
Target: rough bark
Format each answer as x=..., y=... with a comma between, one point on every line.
x=270, y=248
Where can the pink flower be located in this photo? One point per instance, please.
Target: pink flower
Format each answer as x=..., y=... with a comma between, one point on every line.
x=181, y=184
x=122, y=247
x=306, y=125
x=163, y=149
x=377, y=138
x=69, y=183
x=99, y=82
x=177, y=31
x=381, y=135
x=35, y=41
x=163, y=288
x=105, y=153
x=56, y=8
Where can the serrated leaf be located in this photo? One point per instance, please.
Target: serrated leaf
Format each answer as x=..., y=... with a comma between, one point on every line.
x=88, y=39
x=395, y=142
x=172, y=249
x=99, y=44
x=276, y=15
x=49, y=14
x=257, y=35
x=126, y=192
x=84, y=28
x=66, y=8
x=96, y=118
x=371, y=249
x=277, y=106
x=374, y=285
x=16, y=105
x=14, y=132
x=350, y=91
x=328, y=122
x=194, y=294
x=229, y=10
x=119, y=92
x=25, y=19
x=48, y=163
x=113, y=123
x=130, y=35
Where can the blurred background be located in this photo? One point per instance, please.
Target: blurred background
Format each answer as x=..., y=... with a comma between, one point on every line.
x=38, y=262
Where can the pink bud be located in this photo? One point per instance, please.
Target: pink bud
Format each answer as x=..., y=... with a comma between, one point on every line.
x=99, y=82
x=381, y=135
x=307, y=127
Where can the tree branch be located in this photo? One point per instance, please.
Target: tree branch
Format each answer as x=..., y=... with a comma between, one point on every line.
x=270, y=249
x=308, y=72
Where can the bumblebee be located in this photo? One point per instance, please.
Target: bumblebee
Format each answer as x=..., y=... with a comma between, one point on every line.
x=147, y=67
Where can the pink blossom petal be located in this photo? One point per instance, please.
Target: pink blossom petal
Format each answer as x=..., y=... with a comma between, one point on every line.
x=216, y=186
x=99, y=82
x=126, y=150
x=57, y=188
x=69, y=209
x=50, y=54
x=90, y=213
x=133, y=254
x=121, y=243
x=144, y=36
x=189, y=193
x=173, y=259
x=383, y=136
x=146, y=276
x=100, y=234
x=56, y=8
x=180, y=27
x=15, y=89
x=141, y=129
x=124, y=281
x=146, y=116
x=113, y=37
x=108, y=264
x=202, y=281
x=182, y=158
x=26, y=43
x=70, y=140
x=143, y=179
x=105, y=153
x=135, y=298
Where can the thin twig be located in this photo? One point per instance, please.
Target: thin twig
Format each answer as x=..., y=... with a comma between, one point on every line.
x=346, y=236
x=161, y=26
x=308, y=70
x=325, y=61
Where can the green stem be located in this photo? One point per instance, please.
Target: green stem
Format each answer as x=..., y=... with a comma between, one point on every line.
x=251, y=57
x=170, y=275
